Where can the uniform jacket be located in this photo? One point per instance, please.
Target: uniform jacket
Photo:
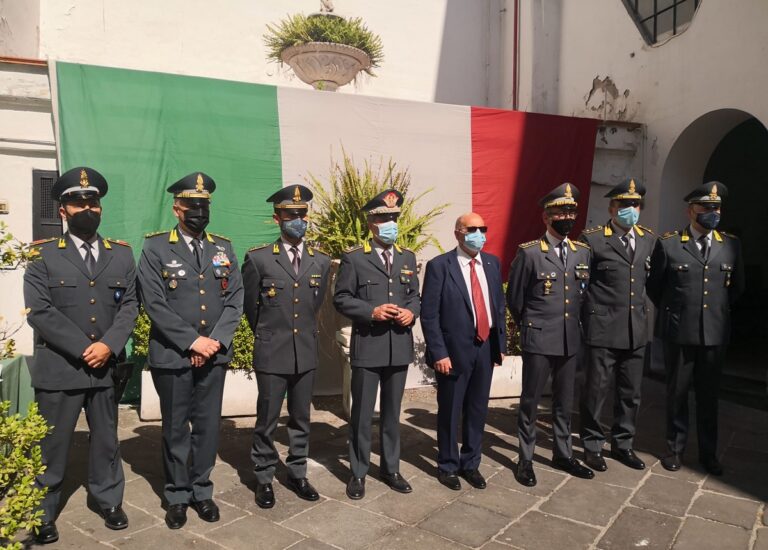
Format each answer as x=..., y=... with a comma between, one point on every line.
x=70, y=309
x=694, y=297
x=545, y=298
x=615, y=308
x=362, y=284
x=184, y=302
x=282, y=306
x=446, y=311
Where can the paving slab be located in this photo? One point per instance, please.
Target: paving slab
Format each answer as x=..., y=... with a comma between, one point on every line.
x=744, y=475
x=311, y=544
x=618, y=474
x=539, y=531
x=428, y=495
x=725, y=509
x=162, y=537
x=667, y=495
x=254, y=533
x=507, y=502
x=586, y=501
x=465, y=524
x=701, y=534
x=412, y=538
x=547, y=481
x=74, y=540
x=287, y=504
x=639, y=528
x=761, y=542
x=341, y=525
x=92, y=524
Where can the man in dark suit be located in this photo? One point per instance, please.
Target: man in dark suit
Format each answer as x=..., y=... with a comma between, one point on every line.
x=191, y=288
x=463, y=319
x=616, y=326
x=378, y=289
x=81, y=295
x=696, y=276
x=285, y=284
x=547, y=282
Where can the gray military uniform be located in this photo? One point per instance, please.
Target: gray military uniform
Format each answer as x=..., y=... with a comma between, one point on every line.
x=282, y=307
x=545, y=299
x=615, y=331
x=693, y=296
x=70, y=309
x=380, y=352
x=185, y=301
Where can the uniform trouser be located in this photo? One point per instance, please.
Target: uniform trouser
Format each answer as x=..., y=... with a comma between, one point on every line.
x=463, y=397
x=190, y=396
x=625, y=366
x=536, y=371
x=61, y=410
x=365, y=384
x=699, y=366
x=272, y=390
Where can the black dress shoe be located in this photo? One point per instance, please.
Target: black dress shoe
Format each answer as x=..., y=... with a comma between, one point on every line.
x=449, y=479
x=396, y=482
x=573, y=467
x=628, y=458
x=671, y=462
x=115, y=518
x=176, y=516
x=303, y=488
x=356, y=488
x=474, y=478
x=712, y=465
x=595, y=461
x=265, y=496
x=524, y=474
x=206, y=510
x=47, y=533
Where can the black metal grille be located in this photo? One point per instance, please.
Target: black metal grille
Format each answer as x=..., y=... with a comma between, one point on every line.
x=46, y=221
x=659, y=19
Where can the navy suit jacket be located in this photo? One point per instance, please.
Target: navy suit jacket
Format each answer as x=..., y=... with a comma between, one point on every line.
x=446, y=311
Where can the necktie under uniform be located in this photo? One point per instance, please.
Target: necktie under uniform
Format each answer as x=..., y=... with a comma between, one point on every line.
x=90, y=261
x=387, y=262
x=296, y=260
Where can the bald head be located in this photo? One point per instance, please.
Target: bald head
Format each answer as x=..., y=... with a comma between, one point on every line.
x=470, y=219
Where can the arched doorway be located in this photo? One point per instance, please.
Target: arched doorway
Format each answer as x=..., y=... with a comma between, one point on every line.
x=731, y=146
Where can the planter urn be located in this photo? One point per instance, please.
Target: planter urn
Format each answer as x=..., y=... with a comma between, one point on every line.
x=326, y=65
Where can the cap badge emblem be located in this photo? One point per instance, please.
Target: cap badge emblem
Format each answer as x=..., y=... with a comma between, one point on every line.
x=297, y=195
x=568, y=193
x=390, y=199
x=713, y=192
x=199, y=185
x=84, y=179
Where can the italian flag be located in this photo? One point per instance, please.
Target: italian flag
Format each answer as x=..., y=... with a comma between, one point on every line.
x=145, y=130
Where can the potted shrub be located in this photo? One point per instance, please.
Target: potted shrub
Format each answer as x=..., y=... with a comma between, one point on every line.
x=324, y=49
x=338, y=222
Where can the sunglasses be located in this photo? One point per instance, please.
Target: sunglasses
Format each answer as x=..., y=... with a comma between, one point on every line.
x=631, y=202
x=474, y=228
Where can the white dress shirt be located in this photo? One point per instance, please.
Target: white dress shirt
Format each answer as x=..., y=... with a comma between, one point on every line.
x=464, y=260
x=287, y=246
x=696, y=236
x=555, y=243
x=189, y=240
x=630, y=235
x=380, y=251
x=93, y=243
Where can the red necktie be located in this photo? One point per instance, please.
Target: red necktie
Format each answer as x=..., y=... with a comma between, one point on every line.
x=481, y=314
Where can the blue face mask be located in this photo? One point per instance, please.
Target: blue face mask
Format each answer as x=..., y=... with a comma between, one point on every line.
x=388, y=232
x=295, y=228
x=474, y=241
x=709, y=220
x=627, y=217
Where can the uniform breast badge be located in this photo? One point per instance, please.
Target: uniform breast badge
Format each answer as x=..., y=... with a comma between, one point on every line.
x=173, y=283
x=547, y=287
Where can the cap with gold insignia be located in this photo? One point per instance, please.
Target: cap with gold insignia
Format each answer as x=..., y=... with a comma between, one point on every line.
x=630, y=189
x=292, y=197
x=388, y=201
x=708, y=193
x=196, y=185
x=564, y=196
x=79, y=183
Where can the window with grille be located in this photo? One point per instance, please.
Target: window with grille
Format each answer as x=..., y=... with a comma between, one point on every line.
x=46, y=221
x=661, y=19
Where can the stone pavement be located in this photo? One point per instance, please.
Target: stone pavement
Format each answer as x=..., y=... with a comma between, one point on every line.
x=620, y=508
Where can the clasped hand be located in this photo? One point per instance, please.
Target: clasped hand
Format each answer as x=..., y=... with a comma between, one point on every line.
x=390, y=312
x=203, y=349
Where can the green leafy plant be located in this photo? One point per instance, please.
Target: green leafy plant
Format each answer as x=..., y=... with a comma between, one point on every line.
x=20, y=462
x=513, y=333
x=338, y=221
x=303, y=29
x=14, y=254
x=242, y=342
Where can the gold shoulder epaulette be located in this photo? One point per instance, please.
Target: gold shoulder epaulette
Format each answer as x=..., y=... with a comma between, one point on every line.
x=592, y=229
x=118, y=241
x=41, y=241
x=222, y=237
x=731, y=235
x=581, y=244
x=155, y=234
x=353, y=248
x=529, y=244
x=646, y=229
x=669, y=234
x=265, y=245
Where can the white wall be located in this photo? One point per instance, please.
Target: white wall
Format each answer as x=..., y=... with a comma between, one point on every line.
x=19, y=28
x=434, y=50
x=569, y=48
